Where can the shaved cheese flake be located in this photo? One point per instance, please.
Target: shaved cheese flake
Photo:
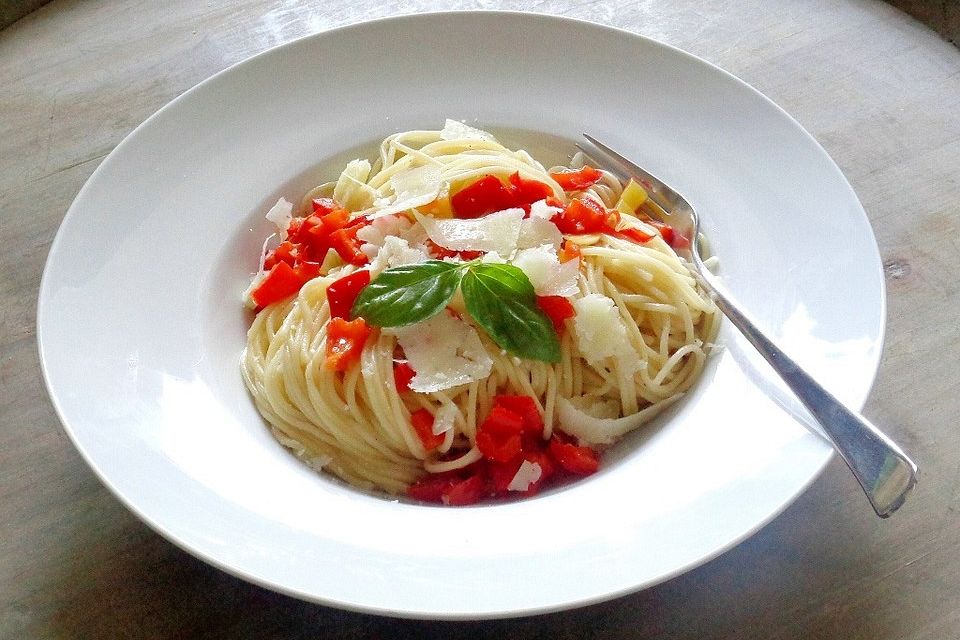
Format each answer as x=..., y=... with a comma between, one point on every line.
x=374, y=234
x=587, y=428
x=564, y=280
x=443, y=418
x=585, y=418
x=455, y=130
x=413, y=188
x=247, y=295
x=495, y=232
x=281, y=214
x=527, y=474
x=599, y=329
x=546, y=273
x=537, y=231
x=540, y=209
x=396, y=252
x=444, y=352
x=352, y=190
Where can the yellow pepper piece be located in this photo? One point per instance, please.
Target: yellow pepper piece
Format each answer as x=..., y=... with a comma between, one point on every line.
x=632, y=198
x=439, y=208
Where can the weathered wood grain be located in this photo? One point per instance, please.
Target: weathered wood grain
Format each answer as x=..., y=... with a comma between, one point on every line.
x=878, y=90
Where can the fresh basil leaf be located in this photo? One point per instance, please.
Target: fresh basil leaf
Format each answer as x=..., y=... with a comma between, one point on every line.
x=408, y=294
x=500, y=299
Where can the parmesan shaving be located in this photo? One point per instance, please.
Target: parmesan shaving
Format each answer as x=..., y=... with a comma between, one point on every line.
x=540, y=209
x=281, y=214
x=546, y=273
x=352, y=191
x=537, y=231
x=599, y=329
x=455, y=130
x=495, y=232
x=413, y=188
x=527, y=474
x=444, y=352
x=443, y=418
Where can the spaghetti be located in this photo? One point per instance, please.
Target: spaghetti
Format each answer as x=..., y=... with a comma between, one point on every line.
x=460, y=405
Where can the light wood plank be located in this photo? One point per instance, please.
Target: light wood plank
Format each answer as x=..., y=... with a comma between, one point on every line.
x=878, y=90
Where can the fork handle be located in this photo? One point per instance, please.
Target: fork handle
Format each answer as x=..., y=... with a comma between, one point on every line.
x=884, y=471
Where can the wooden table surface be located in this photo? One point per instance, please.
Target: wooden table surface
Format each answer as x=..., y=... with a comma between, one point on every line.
x=878, y=90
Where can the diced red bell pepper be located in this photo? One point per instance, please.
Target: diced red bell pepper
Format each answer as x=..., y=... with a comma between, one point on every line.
x=500, y=474
x=300, y=228
x=498, y=437
x=347, y=245
x=422, y=421
x=324, y=206
x=431, y=487
x=578, y=460
x=498, y=448
x=635, y=235
x=465, y=492
x=345, y=342
x=569, y=251
x=342, y=293
x=557, y=308
x=583, y=215
x=307, y=271
x=489, y=194
x=402, y=375
x=281, y=282
x=526, y=192
x=440, y=253
x=577, y=180
x=486, y=195
x=526, y=408
x=286, y=251
x=666, y=231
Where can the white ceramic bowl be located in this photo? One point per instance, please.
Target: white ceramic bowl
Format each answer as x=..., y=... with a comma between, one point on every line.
x=140, y=323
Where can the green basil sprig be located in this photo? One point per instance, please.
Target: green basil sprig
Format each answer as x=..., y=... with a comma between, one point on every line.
x=499, y=297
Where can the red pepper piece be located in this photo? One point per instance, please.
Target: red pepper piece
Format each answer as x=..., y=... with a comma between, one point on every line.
x=422, y=421
x=666, y=231
x=526, y=408
x=281, y=282
x=498, y=448
x=558, y=309
x=500, y=474
x=569, y=251
x=432, y=486
x=286, y=251
x=347, y=245
x=486, y=195
x=465, y=492
x=635, y=235
x=343, y=293
x=526, y=192
x=324, y=206
x=440, y=253
x=577, y=180
x=345, y=341
x=402, y=375
x=578, y=460
x=583, y=215
x=498, y=437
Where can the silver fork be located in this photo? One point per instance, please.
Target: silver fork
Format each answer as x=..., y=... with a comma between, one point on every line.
x=883, y=470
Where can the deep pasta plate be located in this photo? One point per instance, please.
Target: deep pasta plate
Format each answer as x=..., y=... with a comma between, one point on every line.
x=140, y=326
